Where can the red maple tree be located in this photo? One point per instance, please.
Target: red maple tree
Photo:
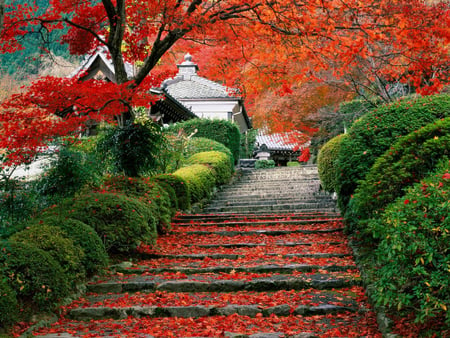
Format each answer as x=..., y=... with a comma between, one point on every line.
x=271, y=47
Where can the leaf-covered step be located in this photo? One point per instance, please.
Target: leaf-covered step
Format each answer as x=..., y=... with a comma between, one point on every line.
x=205, y=256
x=348, y=324
x=259, y=223
x=226, y=282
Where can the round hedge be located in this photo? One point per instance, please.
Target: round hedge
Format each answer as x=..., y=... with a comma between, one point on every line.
x=217, y=161
x=326, y=162
x=371, y=135
x=9, y=307
x=410, y=159
x=413, y=254
x=122, y=222
x=146, y=190
x=52, y=240
x=33, y=274
x=180, y=187
x=200, y=180
x=95, y=256
x=223, y=131
x=201, y=144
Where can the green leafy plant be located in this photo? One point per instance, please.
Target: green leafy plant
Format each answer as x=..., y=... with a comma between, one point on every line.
x=131, y=149
x=180, y=187
x=199, y=179
x=9, y=307
x=33, y=274
x=219, y=162
x=223, y=131
x=52, y=240
x=293, y=164
x=371, y=135
x=326, y=162
x=264, y=164
x=413, y=256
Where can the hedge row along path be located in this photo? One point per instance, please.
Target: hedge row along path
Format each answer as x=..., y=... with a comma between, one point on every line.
x=268, y=259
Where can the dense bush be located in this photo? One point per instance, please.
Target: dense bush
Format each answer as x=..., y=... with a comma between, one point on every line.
x=326, y=162
x=199, y=179
x=9, y=308
x=264, y=164
x=33, y=274
x=293, y=164
x=53, y=241
x=248, y=143
x=122, y=222
x=131, y=149
x=223, y=131
x=371, y=135
x=219, y=162
x=413, y=255
x=149, y=192
x=410, y=159
x=95, y=256
x=200, y=144
x=180, y=187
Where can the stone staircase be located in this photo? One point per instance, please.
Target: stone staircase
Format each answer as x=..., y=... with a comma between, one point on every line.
x=276, y=190
x=277, y=270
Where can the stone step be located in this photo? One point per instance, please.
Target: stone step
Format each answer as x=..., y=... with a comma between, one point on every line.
x=255, y=223
x=184, y=218
x=280, y=208
x=269, y=201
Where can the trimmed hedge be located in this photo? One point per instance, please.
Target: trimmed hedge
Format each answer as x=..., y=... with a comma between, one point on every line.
x=219, y=162
x=9, y=307
x=122, y=222
x=413, y=254
x=33, y=274
x=410, y=159
x=200, y=181
x=326, y=162
x=264, y=164
x=147, y=191
x=95, y=256
x=180, y=187
x=223, y=131
x=201, y=144
x=52, y=240
x=370, y=136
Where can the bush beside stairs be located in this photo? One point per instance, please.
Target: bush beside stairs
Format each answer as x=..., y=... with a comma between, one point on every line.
x=267, y=258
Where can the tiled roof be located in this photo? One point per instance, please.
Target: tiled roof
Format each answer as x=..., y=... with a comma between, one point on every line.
x=280, y=141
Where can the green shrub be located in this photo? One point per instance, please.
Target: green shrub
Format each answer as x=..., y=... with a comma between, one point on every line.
x=200, y=144
x=9, y=308
x=371, y=135
x=52, y=240
x=95, y=256
x=33, y=274
x=410, y=159
x=122, y=222
x=146, y=190
x=223, y=131
x=180, y=187
x=131, y=149
x=199, y=179
x=293, y=164
x=264, y=164
x=326, y=162
x=248, y=143
x=413, y=256
x=219, y=162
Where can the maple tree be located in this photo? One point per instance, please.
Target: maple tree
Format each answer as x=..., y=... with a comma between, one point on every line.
x=259, y=46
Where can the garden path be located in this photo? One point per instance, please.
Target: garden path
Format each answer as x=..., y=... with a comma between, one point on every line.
x=267, y=258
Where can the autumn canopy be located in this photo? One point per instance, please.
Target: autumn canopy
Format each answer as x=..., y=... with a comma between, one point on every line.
x=318, y=50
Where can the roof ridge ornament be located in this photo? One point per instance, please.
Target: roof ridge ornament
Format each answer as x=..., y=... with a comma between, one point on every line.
x=187, y=68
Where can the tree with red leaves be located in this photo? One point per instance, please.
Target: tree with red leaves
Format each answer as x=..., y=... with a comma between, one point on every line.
x=261, y=46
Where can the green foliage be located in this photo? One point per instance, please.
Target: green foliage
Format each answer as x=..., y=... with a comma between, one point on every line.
x=67, y=174
x=122, y=222
x=199, y=179
x=264, y=164
x=248, y=143
x=51, y=240
x=33, y=274
x=413, y=256
x=9, y=308
x=293, y=164
x=326, y=162
x=150, y=193
x=180, y=187
x=223, y=131
x=372, y=135
x=200, y=144
x=219, y=162
x=131, y=149
x=410, y=159
x=95, y=256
